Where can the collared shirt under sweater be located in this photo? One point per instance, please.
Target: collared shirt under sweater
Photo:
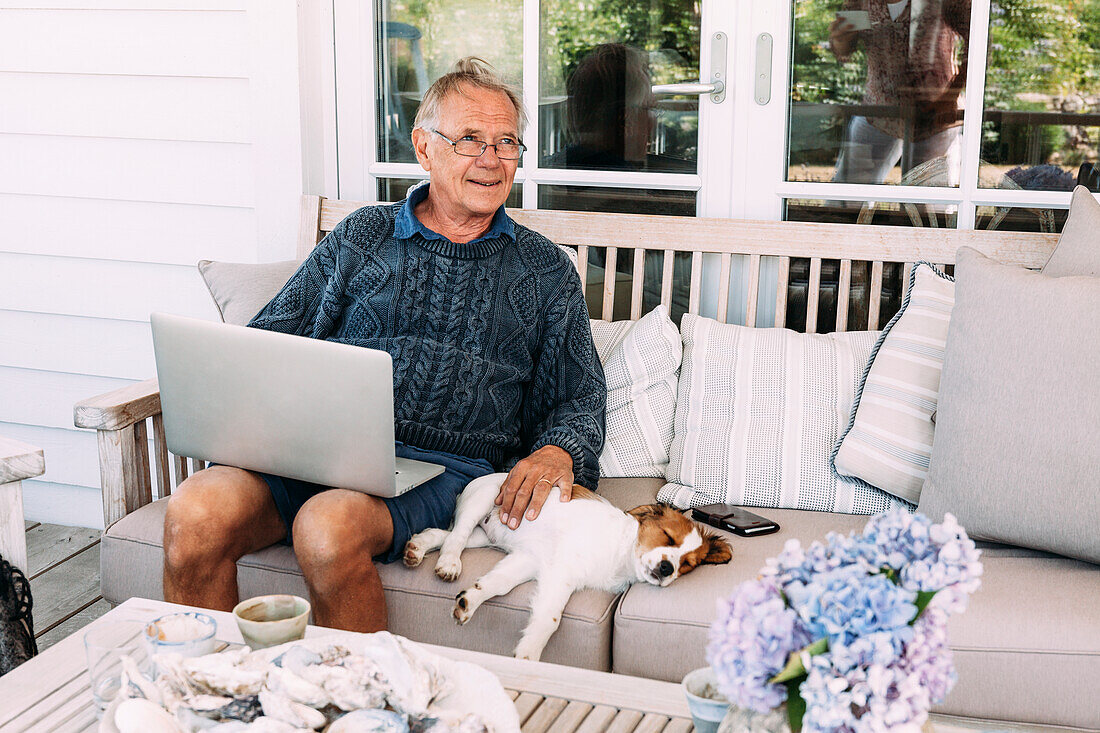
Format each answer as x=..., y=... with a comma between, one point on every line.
x=491, y=345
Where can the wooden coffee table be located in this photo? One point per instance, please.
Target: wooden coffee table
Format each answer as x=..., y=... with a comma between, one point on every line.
x=51, y=692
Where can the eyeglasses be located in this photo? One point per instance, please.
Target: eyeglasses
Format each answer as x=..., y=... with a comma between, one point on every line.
x=475, y=148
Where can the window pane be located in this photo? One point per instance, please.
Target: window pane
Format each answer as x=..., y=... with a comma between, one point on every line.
x=395, y=189
x=617, y=200
x=1041, y=128
x=1017, y=219
x=883, y=213
x=598, y=61
x=418, y=43
x=876, y=91
x=628, y=201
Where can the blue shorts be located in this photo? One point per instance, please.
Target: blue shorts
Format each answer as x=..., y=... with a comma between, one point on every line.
x=432, y=504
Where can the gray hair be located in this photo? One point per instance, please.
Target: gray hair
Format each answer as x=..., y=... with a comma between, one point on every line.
x=475, y=72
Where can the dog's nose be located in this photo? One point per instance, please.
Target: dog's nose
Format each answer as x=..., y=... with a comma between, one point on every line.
x=665, y=568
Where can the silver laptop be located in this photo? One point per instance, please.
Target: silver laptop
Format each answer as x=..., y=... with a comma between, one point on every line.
x=286, y=405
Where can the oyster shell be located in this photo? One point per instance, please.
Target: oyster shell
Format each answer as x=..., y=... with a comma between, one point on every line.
x=284, y=709
x=138, y=715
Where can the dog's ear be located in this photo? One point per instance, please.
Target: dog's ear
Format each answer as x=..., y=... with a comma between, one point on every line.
x=646, y=511
x=719, y=551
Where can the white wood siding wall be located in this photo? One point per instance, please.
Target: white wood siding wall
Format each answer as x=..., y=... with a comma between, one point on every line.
x=136, y=137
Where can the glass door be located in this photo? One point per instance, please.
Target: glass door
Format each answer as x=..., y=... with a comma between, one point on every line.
x=934, y=113
x=627, y=100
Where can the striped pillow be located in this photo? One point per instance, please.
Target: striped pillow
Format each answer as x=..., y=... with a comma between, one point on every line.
x=888, y=440
x=641, y=363
x=757, y=414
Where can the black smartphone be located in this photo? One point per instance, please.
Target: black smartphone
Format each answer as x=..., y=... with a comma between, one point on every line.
x=734, y=519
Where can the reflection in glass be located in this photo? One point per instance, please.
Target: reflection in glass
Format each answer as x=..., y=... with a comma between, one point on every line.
x=598, y=62
x=628, y=201
x=419, y=40
x=883, y=213
x=396, y=189
x=1020, y=219
x=1041, y=127
x=876, y=91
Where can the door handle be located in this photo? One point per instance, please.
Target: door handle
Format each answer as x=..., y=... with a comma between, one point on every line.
x=691, y=87
x=716, y=86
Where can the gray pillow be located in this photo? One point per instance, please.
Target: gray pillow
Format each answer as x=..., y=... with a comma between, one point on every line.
x=1078, y=250
x=240, y=291
x=1016, y=454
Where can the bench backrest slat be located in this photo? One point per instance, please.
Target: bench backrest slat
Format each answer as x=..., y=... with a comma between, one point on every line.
x=647, y=237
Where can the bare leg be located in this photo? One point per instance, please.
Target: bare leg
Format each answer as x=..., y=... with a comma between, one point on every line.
x=336, y=535
x=214, y=518
x=507, y=574
x=546, y=610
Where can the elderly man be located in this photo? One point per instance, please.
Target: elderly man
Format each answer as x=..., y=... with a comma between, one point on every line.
x=493, y=366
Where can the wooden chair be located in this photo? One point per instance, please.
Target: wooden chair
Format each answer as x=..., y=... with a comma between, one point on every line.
x=18, y=461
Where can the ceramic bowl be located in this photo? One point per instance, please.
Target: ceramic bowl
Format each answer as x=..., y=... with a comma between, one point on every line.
x=706, y=704
x=189, y=634
x=271, y=620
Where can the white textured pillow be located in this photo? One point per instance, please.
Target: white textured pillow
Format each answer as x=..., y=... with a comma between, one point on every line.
x=757, y=414
x=641, y=363
x=888, y=441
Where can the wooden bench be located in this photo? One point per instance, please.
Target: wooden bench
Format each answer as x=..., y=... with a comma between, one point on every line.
x=126, y=418
x=18, y=461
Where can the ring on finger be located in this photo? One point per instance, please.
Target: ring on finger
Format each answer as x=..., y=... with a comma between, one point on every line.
x=544, y=479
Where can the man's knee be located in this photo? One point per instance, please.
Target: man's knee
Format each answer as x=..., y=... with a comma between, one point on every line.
x=338, y=526
x=207, y=516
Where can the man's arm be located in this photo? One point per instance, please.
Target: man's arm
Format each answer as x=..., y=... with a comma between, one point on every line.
x=308, y=303
x=563, y=414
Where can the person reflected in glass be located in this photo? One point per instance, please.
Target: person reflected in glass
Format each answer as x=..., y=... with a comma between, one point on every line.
x=913, y=72
x=611, y=114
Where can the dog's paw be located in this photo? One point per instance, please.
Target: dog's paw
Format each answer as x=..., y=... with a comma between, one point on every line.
x=462, y=611
x=448, y=569
x=528, y=650
x=414, y=554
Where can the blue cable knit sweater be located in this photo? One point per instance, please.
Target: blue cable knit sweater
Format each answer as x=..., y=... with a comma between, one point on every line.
x=492, y=350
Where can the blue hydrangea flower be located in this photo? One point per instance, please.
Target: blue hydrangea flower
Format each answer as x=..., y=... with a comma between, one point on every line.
x=926, y=556
x=848, y=603
x=883, y=669
x=750, y=642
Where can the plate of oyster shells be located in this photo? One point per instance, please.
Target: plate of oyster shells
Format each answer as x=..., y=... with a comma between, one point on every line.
x=370, y=683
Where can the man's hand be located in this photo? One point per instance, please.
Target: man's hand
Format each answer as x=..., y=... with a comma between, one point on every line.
x=529, y=483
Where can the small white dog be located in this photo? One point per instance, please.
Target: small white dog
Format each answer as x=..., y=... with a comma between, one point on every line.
x=583, y=543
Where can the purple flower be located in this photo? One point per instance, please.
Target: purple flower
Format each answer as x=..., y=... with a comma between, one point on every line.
x=874, y=698
x=927, y=657
x=750, y=642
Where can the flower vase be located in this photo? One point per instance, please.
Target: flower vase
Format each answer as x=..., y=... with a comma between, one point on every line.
x=743, y=720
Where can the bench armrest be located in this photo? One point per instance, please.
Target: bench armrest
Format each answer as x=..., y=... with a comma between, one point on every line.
x=120, y=418
x=119, y=408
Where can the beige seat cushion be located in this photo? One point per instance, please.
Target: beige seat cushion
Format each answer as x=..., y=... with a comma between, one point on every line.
x=419, y=604
x=1027, y=649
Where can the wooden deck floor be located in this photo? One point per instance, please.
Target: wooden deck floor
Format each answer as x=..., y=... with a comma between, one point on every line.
x=63, y=568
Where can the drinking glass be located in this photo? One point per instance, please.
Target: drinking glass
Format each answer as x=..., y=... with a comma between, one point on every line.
x=105, y=643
